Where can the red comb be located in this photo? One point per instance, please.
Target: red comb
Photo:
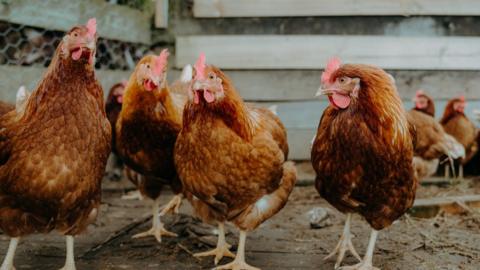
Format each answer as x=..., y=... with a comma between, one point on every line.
x=124, y=83
x=419, y=93
x=160, y=62
x=462, y=98
x=332, y=65
x=200, y=67
x=92, y=27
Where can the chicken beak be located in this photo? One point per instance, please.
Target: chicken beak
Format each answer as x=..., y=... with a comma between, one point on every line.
x=321, y=92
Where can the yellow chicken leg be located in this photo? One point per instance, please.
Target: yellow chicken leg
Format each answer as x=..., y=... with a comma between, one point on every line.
x=157, y=229
x=173, y=205
x=366, y=263
x=222, y=249
x=8, y=262
x=70, y=259
x=239, y=262
x=344, y=245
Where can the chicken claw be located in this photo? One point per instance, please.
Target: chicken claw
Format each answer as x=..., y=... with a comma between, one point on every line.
x=237, y=265
x=172, y=206
x=360, y=266
x=344, y=244
x=239, y=262
x=222, y=249
x=133, y=195
x=219, y=252
x=366, y=263
x=157, y=231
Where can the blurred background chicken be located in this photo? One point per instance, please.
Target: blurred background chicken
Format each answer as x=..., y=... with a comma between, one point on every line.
x=54, y=147
x=231, y=159
x=146, y=131
x=424, y=103
x=432, y=143
x=457, y=124
x=363, y=152
x=113, y=106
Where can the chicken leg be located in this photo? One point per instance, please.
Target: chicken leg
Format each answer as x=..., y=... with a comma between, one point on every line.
x=70, y=259
x=173, y=205
x=8, y=262
x=222, y=249
x=157, y=229
x=239, y=262
x=366, y=263
x=344, y=245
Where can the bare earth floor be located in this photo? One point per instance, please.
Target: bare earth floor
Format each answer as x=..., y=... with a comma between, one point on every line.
x=446, y=241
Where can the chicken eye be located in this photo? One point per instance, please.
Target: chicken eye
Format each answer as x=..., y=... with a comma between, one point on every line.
x=343, y=80
x=148, y=66
x=75, y=34
x=211, y=77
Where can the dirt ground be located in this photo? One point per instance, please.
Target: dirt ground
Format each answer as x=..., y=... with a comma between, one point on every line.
x=287, y=241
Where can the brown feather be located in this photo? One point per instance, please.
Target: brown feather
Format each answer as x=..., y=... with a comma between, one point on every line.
x=54, y=155
x=363, y=155
x=230, y=156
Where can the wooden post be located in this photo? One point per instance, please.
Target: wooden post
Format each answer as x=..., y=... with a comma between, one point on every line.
x=161, y=14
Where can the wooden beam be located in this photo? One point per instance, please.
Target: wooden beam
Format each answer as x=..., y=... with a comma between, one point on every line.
x=300, y=85
x=297, y=8
x=313, y=52
x=161, y=14
x=439, y=201
x=12, y=77
x=113, y=21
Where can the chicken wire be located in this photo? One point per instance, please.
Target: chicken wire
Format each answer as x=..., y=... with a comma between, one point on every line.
x=30, y=46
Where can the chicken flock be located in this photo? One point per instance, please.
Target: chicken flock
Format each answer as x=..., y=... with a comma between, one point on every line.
x=227, y=158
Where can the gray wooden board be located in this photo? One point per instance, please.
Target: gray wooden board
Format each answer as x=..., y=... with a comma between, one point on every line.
x=293, y=8
x=313, y=51
x=301, y=120
x=12, y=77
x=113, y=21
x=288, y=85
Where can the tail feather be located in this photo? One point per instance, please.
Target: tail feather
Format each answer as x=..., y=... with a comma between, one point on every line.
x=269, y=204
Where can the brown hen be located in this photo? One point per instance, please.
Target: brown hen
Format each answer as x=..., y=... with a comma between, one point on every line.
x=146, y=131
x=457, y=124
x=53, y=152
x=231, y=159
x=363, y=151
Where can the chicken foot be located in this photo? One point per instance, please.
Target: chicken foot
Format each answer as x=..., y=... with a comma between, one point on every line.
x=157, y=229
x=344, y=245
x=8, y=261
x=239, y=262
x=133, y=195
x=70, y=258
x=222, y=249
x=366, y=263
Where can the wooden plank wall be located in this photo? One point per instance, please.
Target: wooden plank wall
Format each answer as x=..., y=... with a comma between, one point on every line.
x=274, y=50
x=297, y=8
x=113, y=21
x=312, y=52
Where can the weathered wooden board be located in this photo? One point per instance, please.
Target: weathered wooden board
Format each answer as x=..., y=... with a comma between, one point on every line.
x=161, y=13
x=301, y=120
x=12, y=77
x=113, y=21
x=313, y=51
x=293, y=8
x=295, y=85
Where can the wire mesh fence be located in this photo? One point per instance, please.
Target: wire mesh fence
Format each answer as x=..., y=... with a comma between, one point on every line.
x=31, y=46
